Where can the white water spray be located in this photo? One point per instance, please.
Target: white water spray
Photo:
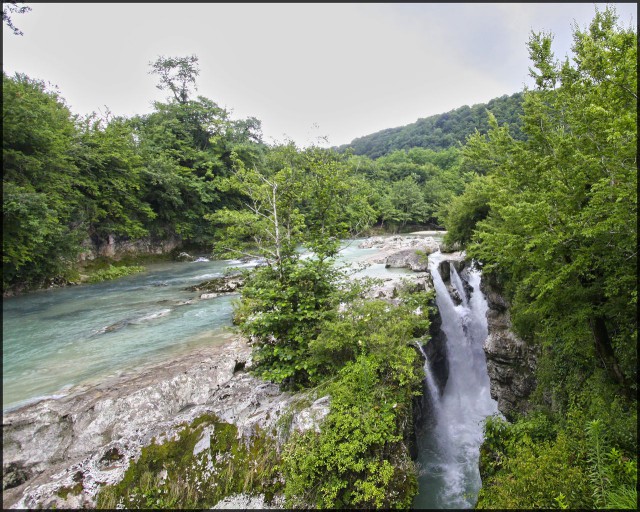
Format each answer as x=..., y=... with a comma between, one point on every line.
x=450, y=445
x=431, y=385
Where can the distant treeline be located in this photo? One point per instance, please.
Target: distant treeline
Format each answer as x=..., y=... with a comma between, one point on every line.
x=69, y=180
x=442, y=131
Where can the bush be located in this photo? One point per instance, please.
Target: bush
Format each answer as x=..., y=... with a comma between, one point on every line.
x=360, y=458
x=114, y=272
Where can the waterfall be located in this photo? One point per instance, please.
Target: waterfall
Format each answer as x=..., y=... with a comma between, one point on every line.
x=449, y=445
x=430, y=385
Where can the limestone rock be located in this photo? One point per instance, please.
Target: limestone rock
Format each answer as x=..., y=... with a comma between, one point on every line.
x=312, y=416
x=398, y=242
x=246, y=502
x=225, y=284
x=408, y=258
x=390, y=288
x=90, y=435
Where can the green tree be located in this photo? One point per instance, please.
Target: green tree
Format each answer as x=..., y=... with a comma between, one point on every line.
x=554, y=220
x=41, y=231
x=184, y=147
x=561, y=225
x=177, y=74
x=110, y=179
x=296, y=200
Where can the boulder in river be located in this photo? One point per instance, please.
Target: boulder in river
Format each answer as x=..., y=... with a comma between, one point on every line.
x=225, y=284
x=183, y=256
x=413, y=259
x=402, y=251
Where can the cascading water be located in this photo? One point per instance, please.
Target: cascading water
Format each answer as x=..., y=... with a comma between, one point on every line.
x=430, y=384
x=449, y=444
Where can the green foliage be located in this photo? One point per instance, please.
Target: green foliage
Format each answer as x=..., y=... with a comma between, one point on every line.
x=562, y=208
x=114, y=272
x=463, y=212
x=68, y=180
x=539, y=473
x=184, y=147
x=110, y=179
x=557, y=227
x=354, y=461
x=441, y=131
x=282, y=310
x=64, y=491
x=411, y=186
x=366, y=363
x=375, y=328
x=296, y=200
x=584, y=457
x=39, y=202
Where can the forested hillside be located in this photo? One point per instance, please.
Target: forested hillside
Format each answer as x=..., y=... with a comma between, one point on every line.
x=442, y=131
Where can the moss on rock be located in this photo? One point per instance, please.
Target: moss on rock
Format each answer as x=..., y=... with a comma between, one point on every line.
x=205, y=462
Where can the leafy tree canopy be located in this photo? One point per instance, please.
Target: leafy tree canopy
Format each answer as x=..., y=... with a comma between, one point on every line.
x=8, y=10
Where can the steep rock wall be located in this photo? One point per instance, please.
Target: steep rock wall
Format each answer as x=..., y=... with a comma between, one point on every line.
x=511, y=362
x=116, y=247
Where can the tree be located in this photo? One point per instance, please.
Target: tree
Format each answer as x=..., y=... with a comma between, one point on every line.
x=561, y=225
x=178, y=74
x=41, y=232
x=295, y=200
x=184, y=147
x=11, y=8
x=110, y=179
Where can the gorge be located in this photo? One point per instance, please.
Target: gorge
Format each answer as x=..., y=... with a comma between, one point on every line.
x=92, y=432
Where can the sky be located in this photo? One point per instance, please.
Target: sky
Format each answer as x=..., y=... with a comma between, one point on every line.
x=314, y=73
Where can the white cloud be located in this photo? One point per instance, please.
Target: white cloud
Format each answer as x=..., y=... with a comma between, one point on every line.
x=304, y=70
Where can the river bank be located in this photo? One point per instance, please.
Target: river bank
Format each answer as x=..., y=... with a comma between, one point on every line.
x=90, y=435
x=59, y=451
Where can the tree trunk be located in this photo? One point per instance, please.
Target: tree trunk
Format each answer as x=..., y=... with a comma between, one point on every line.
x=604, y=349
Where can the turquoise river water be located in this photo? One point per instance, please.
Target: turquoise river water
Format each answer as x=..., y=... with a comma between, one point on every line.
x=58, y=338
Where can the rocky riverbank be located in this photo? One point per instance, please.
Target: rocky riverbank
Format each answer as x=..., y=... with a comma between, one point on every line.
x=60, y=452
x=89, y=436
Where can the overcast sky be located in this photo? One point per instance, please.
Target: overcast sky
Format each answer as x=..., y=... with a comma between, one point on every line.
x=305, y=70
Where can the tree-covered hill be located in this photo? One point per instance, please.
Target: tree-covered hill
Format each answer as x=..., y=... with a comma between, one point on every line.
x=443, y=130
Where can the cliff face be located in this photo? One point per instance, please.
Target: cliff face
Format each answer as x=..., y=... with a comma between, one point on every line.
x=116, y=247
x=511, y=363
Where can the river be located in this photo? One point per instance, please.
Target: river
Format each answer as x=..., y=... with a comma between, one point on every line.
x=58, y=339
x=64, y=337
